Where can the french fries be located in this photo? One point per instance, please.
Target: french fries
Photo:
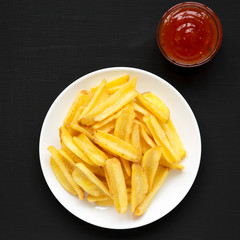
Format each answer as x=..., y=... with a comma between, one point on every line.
x=117, y=146
x=85, y=178
x=160, y=177
x=117, y=185
x=65, y=171
x=139, y=186
x=150, y=163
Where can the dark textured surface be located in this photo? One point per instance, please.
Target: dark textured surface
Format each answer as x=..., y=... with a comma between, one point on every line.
x=46, y=45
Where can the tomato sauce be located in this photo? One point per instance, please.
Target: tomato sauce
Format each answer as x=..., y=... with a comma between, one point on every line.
x=188, y=35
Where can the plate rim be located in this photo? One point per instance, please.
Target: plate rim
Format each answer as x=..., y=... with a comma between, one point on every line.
x=121, y=69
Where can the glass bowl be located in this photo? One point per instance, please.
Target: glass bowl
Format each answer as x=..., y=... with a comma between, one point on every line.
x=177, y=13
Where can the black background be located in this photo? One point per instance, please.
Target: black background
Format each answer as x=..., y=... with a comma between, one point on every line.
x=46, y=45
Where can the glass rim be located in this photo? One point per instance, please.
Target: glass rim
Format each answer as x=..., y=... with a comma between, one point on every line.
x=211, y=14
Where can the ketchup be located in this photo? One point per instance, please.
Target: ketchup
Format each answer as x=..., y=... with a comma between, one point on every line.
x=188, y=35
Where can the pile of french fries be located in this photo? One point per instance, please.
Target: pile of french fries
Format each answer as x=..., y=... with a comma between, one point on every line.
x=117, y=146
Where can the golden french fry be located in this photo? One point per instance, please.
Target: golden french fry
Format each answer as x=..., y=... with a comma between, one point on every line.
x=96, y=156
x=135, y=139
x=61, y=178
x=174, y=139
x=78, y=113
x=82, y=129
x=135, y=136
x=99, y=96
x=116, y=146
x=88, y=181
x=142, y=124
x=66, y=138
x=150, y=163
x=173, y=165
x=114, y=85
x=106, y=202
x=123, y=129
x=151, y=97
x=98, y=171
x=108, y=127
x=107, y=120
x=144, y=145
x=117, y=186
x=124, y=122
x=127, y=166
x=159, y=179
x=146, y=137
x=161, y=139
x=113, y=104
x=92, y=198
x=74, y=157
x=82, y=98
x=68, y=160
x=155, y=110
x=139, y=183
x=138, y=108
x=59, y=161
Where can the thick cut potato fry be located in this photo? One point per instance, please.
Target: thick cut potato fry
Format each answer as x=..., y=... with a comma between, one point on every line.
x=135, y=139
x=85, y=130
x=173, y=165
x=97, y=156
x=66, y=138
x=108, y=127
x=98, y=171
x=174, y=139
x=113, y=104
x=86, y=179
x=160, y=138
x=78, y=113
x=151, y=97
x=155, y=110
x=107, y=120
x=144, y=145
x=82, y=98
x=142, y=124
x=150, y=163
x=118, y=81
x=146, y=137
x=116, y=146
x=92, y=198
x=123, y=129
x=99, y=96
x=114, y=85
x=59, y=161
x=127, y=166
x=139, y=183
x=138, y=108
x=117, y=186
x=124, y=122
x=73, y=156
x=68, y=160
x=105, y=203
x=159, y=179
x=109, y=202
x=61, y=178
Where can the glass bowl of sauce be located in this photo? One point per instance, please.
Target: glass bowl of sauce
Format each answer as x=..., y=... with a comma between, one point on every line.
x=189, y=34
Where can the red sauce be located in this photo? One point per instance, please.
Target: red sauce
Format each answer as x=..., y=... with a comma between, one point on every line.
x=188, y=35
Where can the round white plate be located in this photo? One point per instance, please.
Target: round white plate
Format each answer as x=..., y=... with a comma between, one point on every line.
x=177, y=183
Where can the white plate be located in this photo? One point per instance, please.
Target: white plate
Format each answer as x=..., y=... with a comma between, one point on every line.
x=177, y=183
